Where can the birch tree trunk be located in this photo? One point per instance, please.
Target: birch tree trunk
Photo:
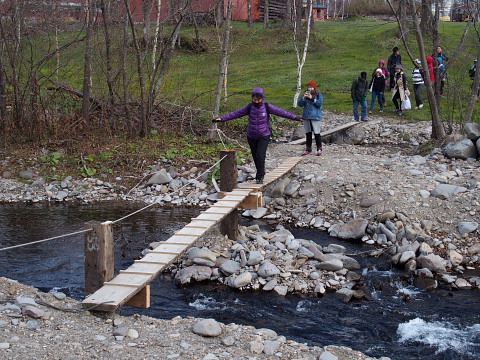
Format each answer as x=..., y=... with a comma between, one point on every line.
x=222, y=68
x=158, y=27
x=301, y=60
x=106, y=12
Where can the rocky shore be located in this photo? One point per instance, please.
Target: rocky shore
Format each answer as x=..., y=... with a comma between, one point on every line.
x=372, y=185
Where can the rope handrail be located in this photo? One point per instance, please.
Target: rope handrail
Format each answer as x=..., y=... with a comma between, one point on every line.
x=40, y=241
x=113, y=222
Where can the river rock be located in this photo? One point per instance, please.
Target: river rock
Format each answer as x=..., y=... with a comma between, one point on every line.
x=292, y=188
x=230, y=267
x=268, y=269
x=354, y=229
x=33, y=312
x=388, y=215
x=255, y=258
x=462, y=284
x=160, y=177
x=444, y=191
x=317, y=254
x=271, y=347
x=366, y=202
x=461, y=150
x=326, y=355
x=474, y=249
x=406, y=256
x=279, y=189
x=259, y=212
x=466, y=227
x=432, y=262
x=202, y=253
x=348, y=262
x=455, y=258
x=242, y=280
x=344, y=294
x=425, y=283
x=330, y=265
x=281, y=290
x=334, y=248
x=207, y=327
x=269, y=286
x=198, y=273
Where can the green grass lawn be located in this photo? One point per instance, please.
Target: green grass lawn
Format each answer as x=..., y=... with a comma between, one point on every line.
x=338, y=52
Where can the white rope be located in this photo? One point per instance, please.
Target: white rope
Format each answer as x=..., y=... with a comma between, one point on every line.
x=146, y=207
x=113, y=222
x=40, y=241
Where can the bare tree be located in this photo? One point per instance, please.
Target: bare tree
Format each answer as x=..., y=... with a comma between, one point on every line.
x=266, y=14
x=287, y=18
x=249, y=12
x=87, y=69
x=438, y=131
x=301, y=58
x=223, y=64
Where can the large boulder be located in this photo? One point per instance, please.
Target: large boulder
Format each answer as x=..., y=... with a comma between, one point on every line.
x=433, y=263
x=472, y=130
x=444, y=191
x=461, y=150
x=353, y=136
x=354, y=229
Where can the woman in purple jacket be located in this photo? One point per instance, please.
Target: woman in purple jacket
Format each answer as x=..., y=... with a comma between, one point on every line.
x=258, y=131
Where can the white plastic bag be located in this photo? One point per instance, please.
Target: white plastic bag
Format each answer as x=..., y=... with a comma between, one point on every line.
x=406, y=104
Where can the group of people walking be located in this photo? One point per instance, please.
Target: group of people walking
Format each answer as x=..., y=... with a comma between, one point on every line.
x=391, y=78
x=386, y=77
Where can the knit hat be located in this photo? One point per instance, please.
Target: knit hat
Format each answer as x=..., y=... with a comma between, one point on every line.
x=363, y=75
x=399, y=66
x=418, y=62
x=381, y=61
x=379, y=70
x=312, y=83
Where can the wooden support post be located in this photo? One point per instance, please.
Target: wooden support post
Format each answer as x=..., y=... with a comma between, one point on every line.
x=228, y=182
x=141, y=299
x=99, y=255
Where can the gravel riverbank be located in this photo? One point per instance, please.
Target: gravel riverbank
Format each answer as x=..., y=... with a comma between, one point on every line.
x=384, y=182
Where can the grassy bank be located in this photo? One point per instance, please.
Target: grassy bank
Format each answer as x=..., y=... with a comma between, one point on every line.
x=338, y=52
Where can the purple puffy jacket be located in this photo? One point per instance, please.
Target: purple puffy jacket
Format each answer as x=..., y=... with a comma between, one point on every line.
x=259, y=124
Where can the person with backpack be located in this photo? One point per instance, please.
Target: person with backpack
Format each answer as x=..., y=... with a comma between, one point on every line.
x=312, y=103
x=393, y=60
x=258, y=130
x=359, y=91
x=377, y=88
x=472, y=70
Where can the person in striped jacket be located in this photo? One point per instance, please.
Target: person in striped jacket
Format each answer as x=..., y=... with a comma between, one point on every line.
x=418, y=83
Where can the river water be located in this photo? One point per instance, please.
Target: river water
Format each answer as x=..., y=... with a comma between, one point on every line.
x=401, y=322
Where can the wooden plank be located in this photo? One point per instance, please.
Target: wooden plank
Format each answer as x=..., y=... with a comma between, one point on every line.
x=168, y=248
x=327, y=132
x=141, y=299
x=164, y=252
x=137, y=272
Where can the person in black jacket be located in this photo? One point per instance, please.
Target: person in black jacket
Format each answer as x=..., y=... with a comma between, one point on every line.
x=359, y=93
x=377, y=87
x=393, y=60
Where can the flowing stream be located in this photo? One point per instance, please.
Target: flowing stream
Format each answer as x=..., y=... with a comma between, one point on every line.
x=401, y=322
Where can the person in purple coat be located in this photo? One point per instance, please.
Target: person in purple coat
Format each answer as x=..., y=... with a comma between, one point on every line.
x=258, y=131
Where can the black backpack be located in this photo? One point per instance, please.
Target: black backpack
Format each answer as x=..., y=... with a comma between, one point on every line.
x=471, y=72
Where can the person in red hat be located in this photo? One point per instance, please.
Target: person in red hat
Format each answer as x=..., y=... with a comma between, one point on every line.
x=312, y=103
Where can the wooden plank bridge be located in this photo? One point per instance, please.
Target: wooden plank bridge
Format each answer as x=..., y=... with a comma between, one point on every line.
x=131, y=286
x=327, y=132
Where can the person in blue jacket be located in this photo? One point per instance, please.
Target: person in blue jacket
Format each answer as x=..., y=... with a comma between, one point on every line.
x=312, y=103
x=259, y=130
